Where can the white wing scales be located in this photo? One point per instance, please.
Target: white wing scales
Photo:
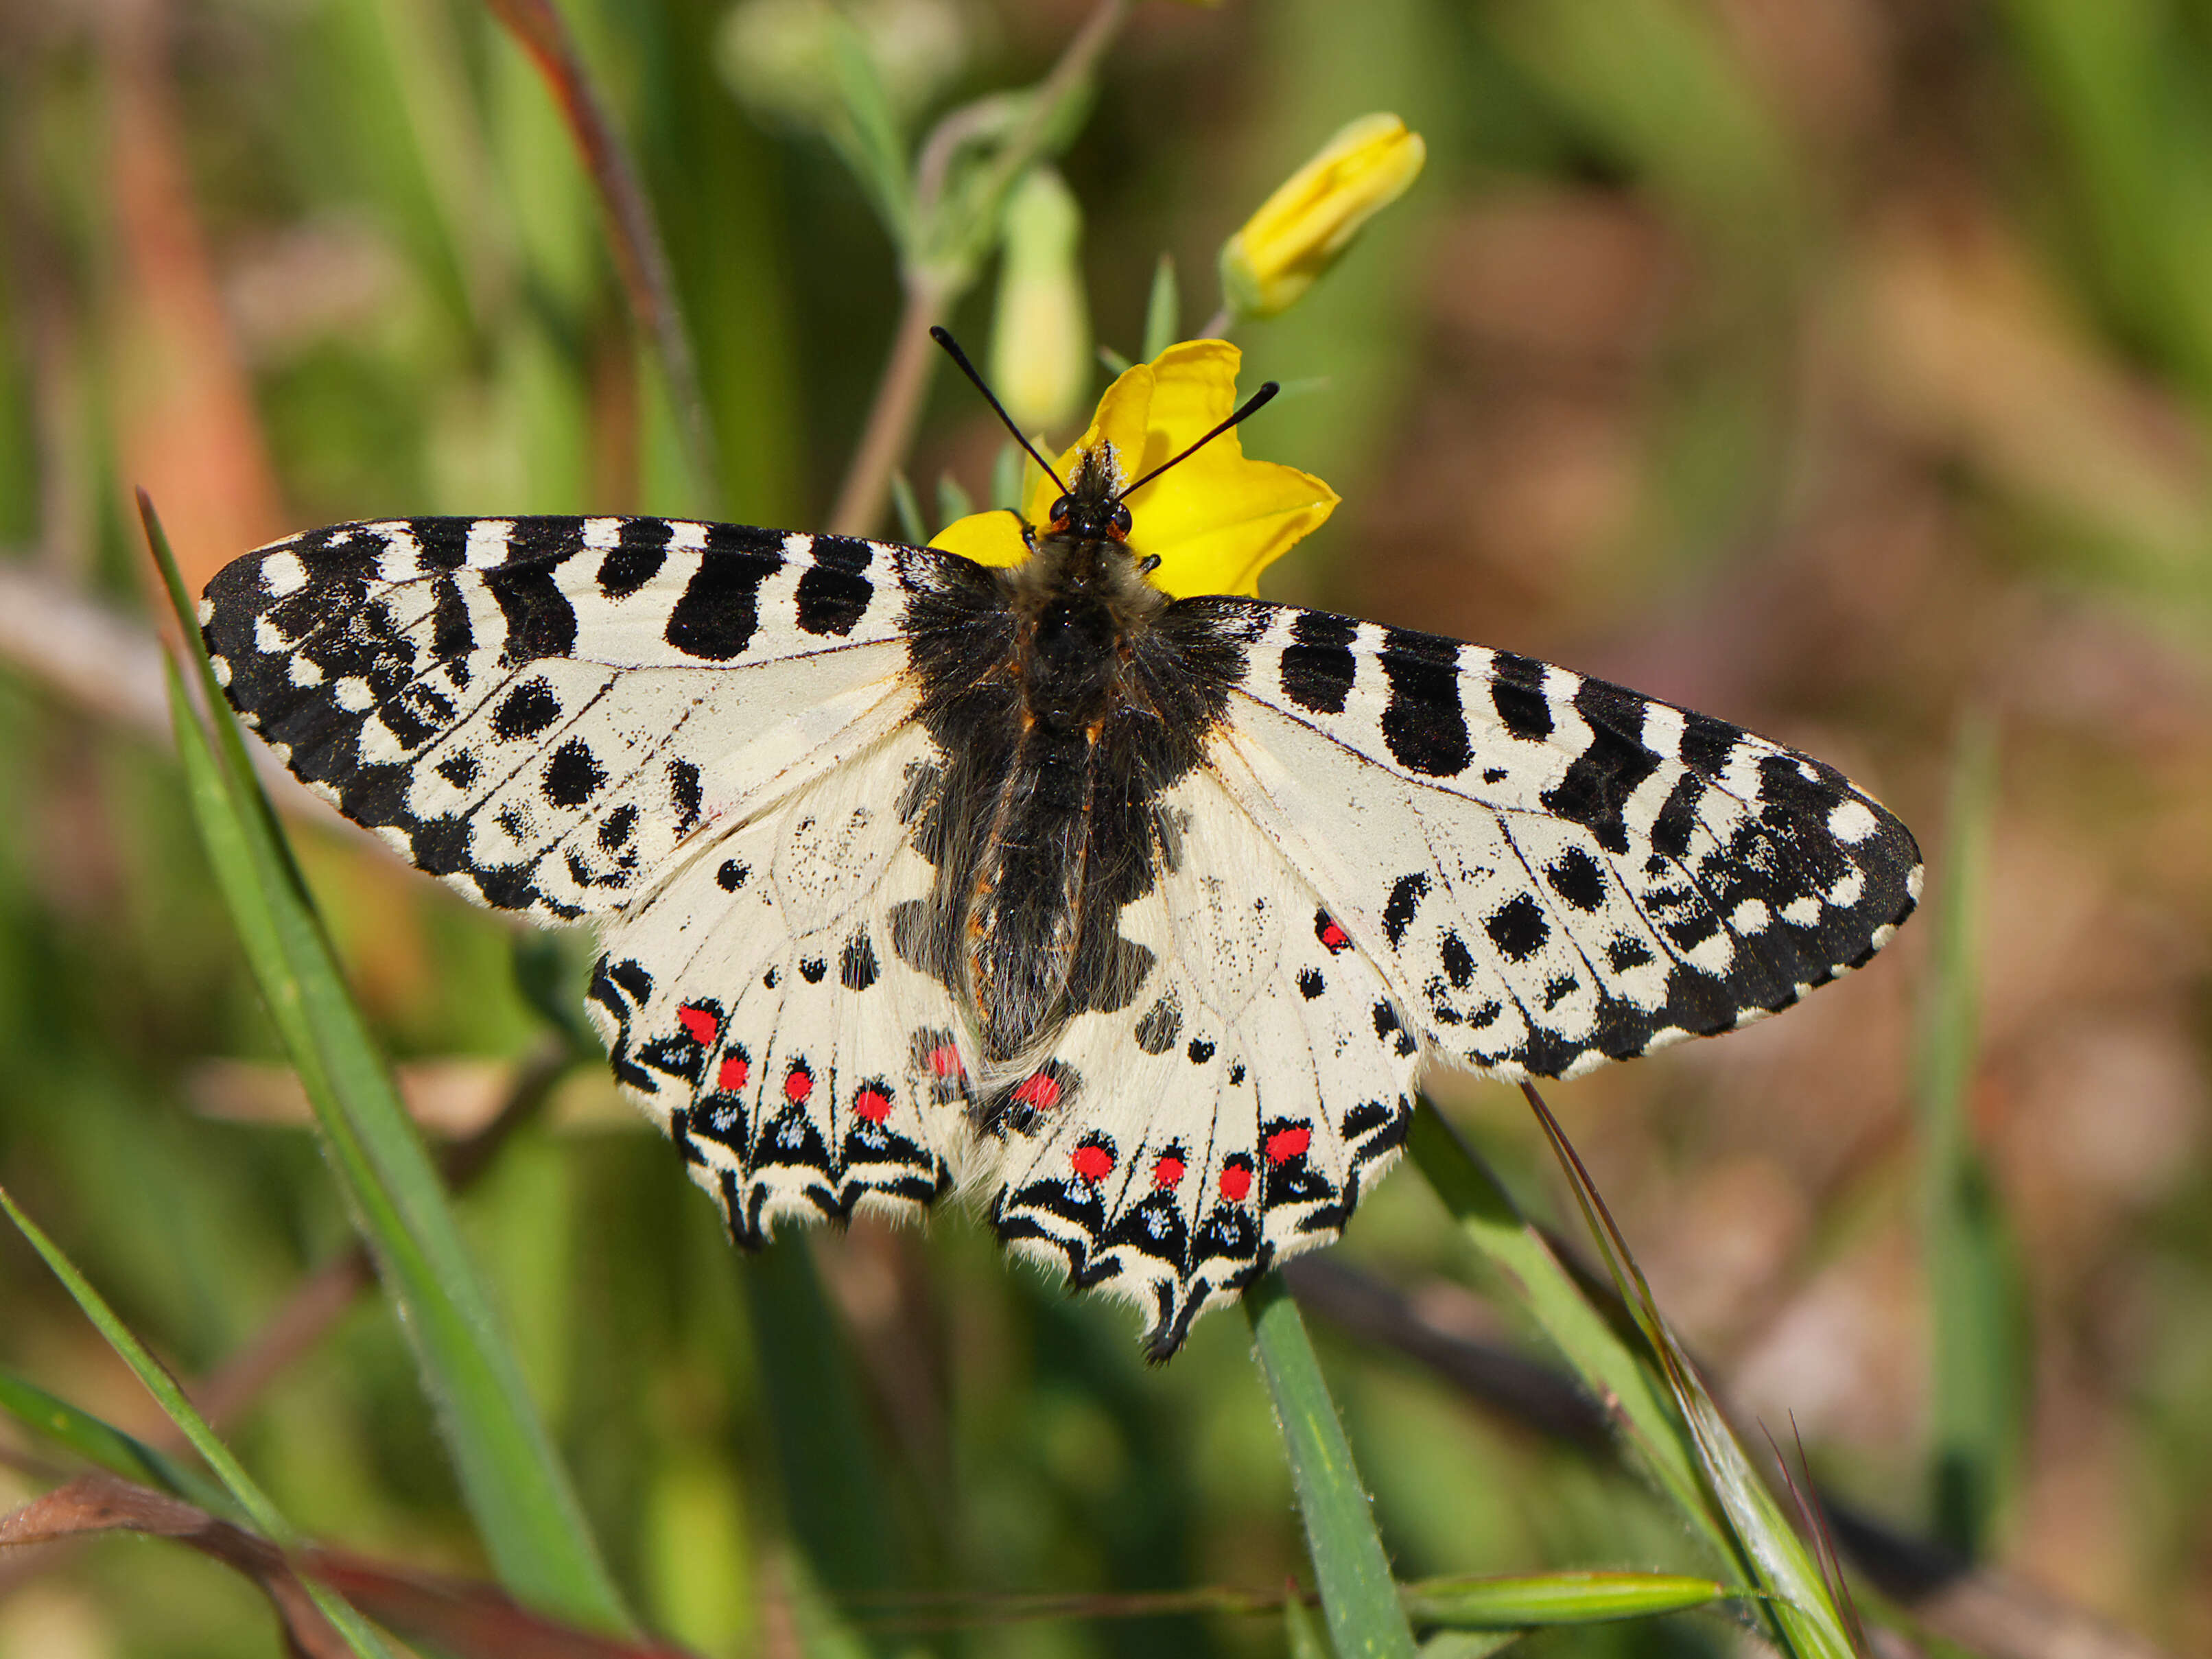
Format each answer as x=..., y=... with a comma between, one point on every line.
x=755, y=1005
x=689, y=731
x=1173, y=1149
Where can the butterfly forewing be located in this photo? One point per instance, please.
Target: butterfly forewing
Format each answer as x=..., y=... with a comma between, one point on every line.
x=518, y=705
x=1557, y=871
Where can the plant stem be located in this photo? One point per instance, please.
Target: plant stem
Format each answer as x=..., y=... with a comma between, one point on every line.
x=892, y=417
x=930, y=288
x=1074, y=64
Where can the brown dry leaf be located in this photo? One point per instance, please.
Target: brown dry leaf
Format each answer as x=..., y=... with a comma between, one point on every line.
x=470, y=1620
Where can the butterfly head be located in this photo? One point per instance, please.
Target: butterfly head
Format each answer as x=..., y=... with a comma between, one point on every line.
x=1092, y=508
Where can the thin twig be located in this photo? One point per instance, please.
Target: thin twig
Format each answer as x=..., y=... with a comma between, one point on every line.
x=930, y=290
x=102, y=661
x=1075, y=65
x=964, y=127
x=633, y=237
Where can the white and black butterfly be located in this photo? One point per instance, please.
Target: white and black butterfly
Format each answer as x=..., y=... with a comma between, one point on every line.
x=1141, y=914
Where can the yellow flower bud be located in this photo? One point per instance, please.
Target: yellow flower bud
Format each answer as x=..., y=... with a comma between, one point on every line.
x=1041, y=361
x=1302, y=229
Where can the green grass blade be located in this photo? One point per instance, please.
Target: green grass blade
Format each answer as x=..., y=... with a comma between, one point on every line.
x=952, y=502
x=1006, y=478
x=1978, y=1351
x=835, y=1488
x=509, y=1475
x=1558, y=1598
x=165, y=1389
x=102, y=1444
x=1609, y=1368
x=868, y=138
x=1365, y=1620
x=1681, y=1439
x=1163, y=310
x=1801, y=1608
x=908, y=509
x=170, y=1396
x=1302, y=1635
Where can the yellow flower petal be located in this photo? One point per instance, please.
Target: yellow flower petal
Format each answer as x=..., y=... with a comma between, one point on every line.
x=1215, y=520
x=1302, y=229
x=993, y=538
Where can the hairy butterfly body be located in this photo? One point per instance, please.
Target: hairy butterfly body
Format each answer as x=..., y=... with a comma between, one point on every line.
x=1139, y=914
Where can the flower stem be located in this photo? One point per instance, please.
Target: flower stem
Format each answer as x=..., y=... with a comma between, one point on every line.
x=893, y=416
x=930, y=292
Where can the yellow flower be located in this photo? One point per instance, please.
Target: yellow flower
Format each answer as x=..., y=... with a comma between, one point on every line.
x=1300, y=230
x=1215, y=521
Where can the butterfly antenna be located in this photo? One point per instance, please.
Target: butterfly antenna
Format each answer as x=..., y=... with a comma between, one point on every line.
x=1252, y=405
x=944, y=338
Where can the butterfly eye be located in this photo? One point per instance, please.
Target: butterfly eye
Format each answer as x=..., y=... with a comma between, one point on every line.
x=1058, y=517
x=1118, y=525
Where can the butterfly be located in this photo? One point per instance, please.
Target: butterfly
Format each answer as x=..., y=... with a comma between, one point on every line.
x=1138, y=915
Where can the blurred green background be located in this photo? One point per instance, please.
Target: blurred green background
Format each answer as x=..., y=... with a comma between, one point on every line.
x=1839, y=367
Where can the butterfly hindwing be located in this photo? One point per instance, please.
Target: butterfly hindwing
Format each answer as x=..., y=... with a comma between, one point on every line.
x=755, y=1007
x=517, y=705
x=1554, y=871
x=1228, y=1113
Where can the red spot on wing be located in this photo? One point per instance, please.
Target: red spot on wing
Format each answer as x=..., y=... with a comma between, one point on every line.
x=1042, y=1091
x=1168, y=1172
x=872, y=1103
x=1285, y=1144
x=1092, y=1163
x=945, y=1061
x=799, y=1085
x=702, y=1023
x=1236, y=1180
x=735, y=1069
x=1334, y=939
